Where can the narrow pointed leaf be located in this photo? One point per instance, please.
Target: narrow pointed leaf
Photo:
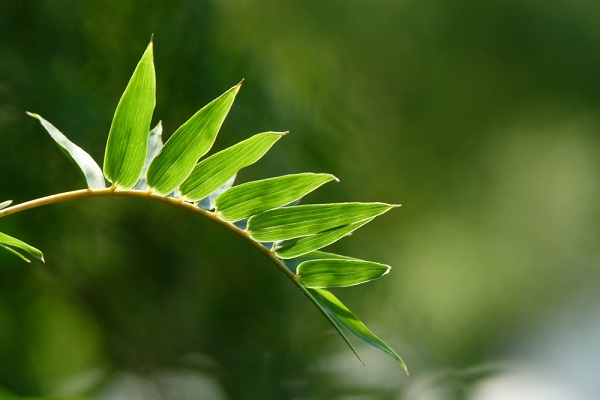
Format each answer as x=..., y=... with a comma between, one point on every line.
x=5, y=204
x=12, y=244
x=155, y=143
x=128, y=137
x=211, y=173
x=90, y=169
x=299, y=246
x=298, y=221
x=342, y=315
x=338, y=273
x=312, y=296
x=252, y=198
x=175, y=162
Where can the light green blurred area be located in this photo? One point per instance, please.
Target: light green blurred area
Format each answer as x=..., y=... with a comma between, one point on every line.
x=481, y=118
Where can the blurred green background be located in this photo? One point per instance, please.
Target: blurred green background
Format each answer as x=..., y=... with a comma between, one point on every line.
x=481, y=118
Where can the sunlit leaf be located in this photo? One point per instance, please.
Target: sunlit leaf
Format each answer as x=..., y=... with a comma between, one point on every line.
x=341, y=314
x=12, y=244
x=90, y=169
x=292, y=263
x=296, y=247
x=252, y=198
x=154, y=145
x=332, y=273
x=211, y=173
x=178, y=157
x=5, y=204
x=304, y=220
x=128, y=137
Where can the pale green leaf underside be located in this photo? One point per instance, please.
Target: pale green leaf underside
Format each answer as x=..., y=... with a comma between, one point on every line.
x=212, y=173
x=298, y=221
x=90, y=169
x=338, y=273
x=251, y=198
x=5, y=204
x=128, y=137
x=299, y=246
x=12, y=244
x=155, y=143
x=342, y=315
x=178, y=157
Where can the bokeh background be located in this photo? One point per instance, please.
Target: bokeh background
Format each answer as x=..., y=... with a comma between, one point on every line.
x=481, y=117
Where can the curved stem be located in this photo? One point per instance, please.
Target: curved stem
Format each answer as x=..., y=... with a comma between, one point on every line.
x=111, y=192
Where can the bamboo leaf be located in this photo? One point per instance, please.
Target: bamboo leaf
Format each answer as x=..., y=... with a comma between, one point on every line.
x=298, y=221
x=155, y=143
x=211, y=173
x=342, y=315
x=128, y=137
x=11, y=244
x=252, y=198
x=175, y=162
x=293, y=263
x=331, y=273
x=299, y=246
x=90, y=169
x=5, y=204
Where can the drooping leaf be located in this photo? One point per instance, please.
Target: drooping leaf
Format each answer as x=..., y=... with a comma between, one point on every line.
x=211, y=173
x=155, y=143
x=252, y=198
x=299, y=246
x=336, y=273
x=348, y=320
x=11, y=244
x=304, y=220
x=175, y=162
x=5, y=204
x=128, y=137
x=90, y=169
x=208, y=203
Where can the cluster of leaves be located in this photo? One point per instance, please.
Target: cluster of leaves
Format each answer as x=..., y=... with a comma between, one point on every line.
x=265, y=212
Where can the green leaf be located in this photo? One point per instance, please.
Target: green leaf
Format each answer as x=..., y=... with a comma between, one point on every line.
x=191, y=141
x=90, y=169
x=212, y=173
x=299, y=246
x=251, y=198
x=342, y=315
x=293, y=263
x=297, y=221
x=5, y=204
x=208, y=203
x=154, y=145
x=332, y=273
x=128, y=137
x=10, y=243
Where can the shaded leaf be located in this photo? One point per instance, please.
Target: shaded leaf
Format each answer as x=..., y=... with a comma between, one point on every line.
x=297, y=221
x=90, y=169
x=342, y=315
x=128, y=137
x=5, y=204
x=331, y=273
x=208, y=203
x=155, y=143
x=293, y=263
x=192, y=140
x=11, y=244
x=299, y=246
x=252, y=198
x=212, y=173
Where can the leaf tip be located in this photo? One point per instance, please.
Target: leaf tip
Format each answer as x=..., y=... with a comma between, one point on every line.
x=32, y=115
x=152, y=39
